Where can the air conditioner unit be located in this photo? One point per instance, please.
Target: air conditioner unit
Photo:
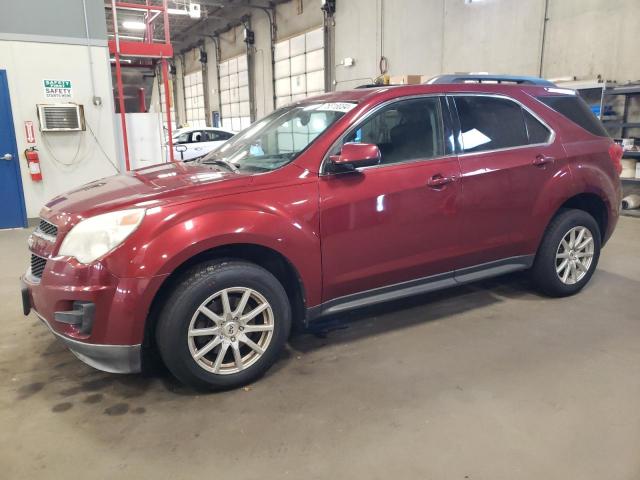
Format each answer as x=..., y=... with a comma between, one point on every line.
x=61, y=117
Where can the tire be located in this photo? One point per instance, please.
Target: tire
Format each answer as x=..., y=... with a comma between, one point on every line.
x=195, y=358
x=547, y=272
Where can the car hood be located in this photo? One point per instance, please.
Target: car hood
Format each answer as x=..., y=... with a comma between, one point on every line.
x=147, y=187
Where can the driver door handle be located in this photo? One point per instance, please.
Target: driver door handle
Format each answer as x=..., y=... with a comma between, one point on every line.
x=438, y=181
x=7, y=156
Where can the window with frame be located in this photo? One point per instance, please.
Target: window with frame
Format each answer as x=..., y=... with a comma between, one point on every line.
x=493, y=123
x=403, y=131
x=235, y=106
x=194, y=99
x=299, y=67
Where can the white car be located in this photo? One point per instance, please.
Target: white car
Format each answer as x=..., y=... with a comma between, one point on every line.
x=194, y=142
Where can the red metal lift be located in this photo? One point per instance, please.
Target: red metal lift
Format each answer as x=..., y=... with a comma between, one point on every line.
x=147, y=48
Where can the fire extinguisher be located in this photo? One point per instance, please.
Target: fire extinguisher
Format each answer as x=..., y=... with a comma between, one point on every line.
x=34, y=164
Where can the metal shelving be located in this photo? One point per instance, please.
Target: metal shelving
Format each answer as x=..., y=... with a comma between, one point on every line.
x=621, y=126
x=628, y=91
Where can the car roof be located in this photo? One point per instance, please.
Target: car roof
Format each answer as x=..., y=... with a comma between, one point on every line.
x=180, y=131
x=359, y=95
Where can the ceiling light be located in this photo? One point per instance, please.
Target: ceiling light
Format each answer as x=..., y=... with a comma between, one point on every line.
x=177, y=11
x=133, y=25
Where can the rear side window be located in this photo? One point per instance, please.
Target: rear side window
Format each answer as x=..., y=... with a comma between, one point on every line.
x=217, y=136
x=576, y=110
x=489, y=123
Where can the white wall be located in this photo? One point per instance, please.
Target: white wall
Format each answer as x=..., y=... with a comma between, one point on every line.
x=67, y=159
x=584, y=38
x=592, y=37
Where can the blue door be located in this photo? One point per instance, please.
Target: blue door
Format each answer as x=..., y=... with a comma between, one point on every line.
x=12, y=211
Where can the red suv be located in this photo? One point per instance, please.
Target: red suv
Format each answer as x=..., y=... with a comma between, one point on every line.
x=339, y=201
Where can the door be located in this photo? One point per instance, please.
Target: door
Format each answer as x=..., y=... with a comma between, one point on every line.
x=396, y=221
x=13, y=213
x=507, y=156
x=196, y=147
x=187, y=145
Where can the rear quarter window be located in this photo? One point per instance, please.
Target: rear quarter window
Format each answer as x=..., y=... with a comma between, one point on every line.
x=576, y=110
x=490, y=123
x=536, y=131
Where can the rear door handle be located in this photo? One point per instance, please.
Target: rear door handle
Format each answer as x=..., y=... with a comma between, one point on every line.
x=439, y=181
x=542, y=160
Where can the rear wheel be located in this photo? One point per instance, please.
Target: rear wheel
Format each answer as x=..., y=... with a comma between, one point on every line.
x=224, y=325
x=568, y=255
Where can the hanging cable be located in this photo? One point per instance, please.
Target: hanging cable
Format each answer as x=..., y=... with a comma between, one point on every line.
x=95, y=138
x=96, y=101
x=73, y=163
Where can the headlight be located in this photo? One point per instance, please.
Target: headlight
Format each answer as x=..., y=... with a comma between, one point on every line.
x=92, y=238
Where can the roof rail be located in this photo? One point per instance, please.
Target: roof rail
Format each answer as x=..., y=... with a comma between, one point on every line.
x=480, y=78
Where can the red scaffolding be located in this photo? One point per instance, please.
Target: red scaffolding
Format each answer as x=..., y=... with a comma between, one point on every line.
x=147, y=48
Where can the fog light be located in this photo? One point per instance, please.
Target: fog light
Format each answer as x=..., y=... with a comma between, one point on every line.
x=80, y=317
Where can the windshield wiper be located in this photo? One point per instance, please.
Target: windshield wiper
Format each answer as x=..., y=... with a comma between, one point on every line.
x=224, y=163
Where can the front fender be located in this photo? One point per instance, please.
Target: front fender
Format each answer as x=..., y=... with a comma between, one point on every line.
x=170, y=236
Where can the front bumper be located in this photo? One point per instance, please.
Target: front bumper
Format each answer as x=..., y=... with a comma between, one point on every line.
x=108, y=358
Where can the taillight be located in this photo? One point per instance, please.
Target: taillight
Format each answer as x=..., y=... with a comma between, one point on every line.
x=615, y=152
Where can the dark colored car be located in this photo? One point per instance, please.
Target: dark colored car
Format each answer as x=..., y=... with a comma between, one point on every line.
x=336, y=202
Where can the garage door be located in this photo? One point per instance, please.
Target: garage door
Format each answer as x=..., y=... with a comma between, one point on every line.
x=194, y=99
x=299, y=67
x=235, y=109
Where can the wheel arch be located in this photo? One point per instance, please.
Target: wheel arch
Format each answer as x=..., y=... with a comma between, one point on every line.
x=594, y=205
x=269, y=259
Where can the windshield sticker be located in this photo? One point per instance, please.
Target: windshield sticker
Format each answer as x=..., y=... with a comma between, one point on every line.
x=343, y=107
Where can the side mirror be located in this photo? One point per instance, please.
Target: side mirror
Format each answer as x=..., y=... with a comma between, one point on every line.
x=355, y=155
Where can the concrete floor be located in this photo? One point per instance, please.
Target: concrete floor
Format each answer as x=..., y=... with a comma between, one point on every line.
x=490, y=381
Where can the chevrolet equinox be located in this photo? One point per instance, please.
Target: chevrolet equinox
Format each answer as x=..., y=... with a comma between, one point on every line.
x=332, y=203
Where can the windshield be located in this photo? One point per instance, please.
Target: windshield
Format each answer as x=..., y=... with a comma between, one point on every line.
x=278, y=138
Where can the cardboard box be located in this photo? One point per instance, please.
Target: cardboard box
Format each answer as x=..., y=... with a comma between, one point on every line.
x=405, y=80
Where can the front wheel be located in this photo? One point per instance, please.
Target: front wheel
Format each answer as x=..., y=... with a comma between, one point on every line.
x=568, y=255
x=224, y=325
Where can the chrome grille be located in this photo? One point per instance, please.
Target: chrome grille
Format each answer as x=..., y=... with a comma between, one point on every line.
x=37, y=265
x=47, y=228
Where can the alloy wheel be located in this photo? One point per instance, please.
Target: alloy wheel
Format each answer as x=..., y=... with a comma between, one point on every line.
x=230, y=330
x=574, y=255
